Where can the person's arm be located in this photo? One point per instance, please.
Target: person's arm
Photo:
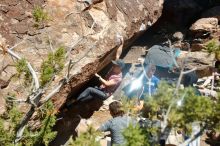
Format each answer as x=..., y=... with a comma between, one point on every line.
x=140, y=92
x=119, y=49
x=106, y=83
x=105, y=127
x=207, y=81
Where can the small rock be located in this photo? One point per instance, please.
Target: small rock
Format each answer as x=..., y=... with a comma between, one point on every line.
x=197, y=47
x=14, y=21
x=177, y=36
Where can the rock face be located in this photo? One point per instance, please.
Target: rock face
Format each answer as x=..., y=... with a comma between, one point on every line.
x=15, y=18
x=89, y=37
x=203, y=61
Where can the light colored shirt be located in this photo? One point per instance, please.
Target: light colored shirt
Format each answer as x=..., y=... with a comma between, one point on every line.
x=111, y=89
x=116, y=126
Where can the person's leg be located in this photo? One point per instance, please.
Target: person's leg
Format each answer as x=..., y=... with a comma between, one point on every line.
x=86, y=94
x=90, y=93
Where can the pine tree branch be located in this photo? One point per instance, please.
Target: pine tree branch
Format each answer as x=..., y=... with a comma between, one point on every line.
x=192, y=138
x=22, y=124
x=33, y=73
x=37, y=97
x=182, y=73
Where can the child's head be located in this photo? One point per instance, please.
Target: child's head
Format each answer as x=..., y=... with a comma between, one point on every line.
x=115, y=109
x=189, y=79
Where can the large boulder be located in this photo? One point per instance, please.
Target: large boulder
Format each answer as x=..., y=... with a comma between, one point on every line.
x=205, y=25
x=89, y=37
x=203, y=62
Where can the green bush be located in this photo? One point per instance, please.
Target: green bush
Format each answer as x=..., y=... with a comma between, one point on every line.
x=22, y=68
x=10, y=120
x=8, y=123
x=40, y=15
x=87, y=138
x=193, y=108
x=45, y=134
x=213, y=47
x=135, y=136
x=53, y=65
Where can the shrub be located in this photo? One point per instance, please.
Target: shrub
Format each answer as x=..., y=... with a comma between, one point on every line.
x=22, y=68
x=87, y=138
x=53, y=65
x=40, y=15
x=8, y=123
x=213, y=46
x=135, y=136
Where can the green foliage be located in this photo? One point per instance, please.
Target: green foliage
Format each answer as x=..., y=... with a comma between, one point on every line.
x=213, y=46
x=39, y=14
x=22, y=68
x=87, y=138
x=135, y=136
x=8, y=123
x=45, y=134
x=128, y=106
x=10, y=120
x=53, y=65
x=193, y=108
x=159, y=101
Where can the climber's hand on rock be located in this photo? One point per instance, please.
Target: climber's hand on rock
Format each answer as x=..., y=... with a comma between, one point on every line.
x=97, y=75
x=201, y=87
x=121, y=40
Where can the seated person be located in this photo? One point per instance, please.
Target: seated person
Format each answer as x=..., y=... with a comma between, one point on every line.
x=108, y=86
x=117, y=124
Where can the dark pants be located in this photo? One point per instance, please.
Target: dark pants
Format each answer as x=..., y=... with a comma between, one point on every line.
x=91, y=93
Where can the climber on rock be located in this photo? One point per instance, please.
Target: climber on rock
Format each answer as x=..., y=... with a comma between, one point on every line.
x=120, y=44
x=108, y=85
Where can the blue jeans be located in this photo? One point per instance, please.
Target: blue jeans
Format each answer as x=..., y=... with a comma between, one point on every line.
x=91, y=93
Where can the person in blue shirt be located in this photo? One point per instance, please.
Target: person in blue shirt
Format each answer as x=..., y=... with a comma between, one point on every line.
x=150, y=82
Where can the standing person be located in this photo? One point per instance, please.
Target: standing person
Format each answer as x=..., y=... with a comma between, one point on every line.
x=117, y=124
x=150, y=81
x=108, y=86
x=149, y=84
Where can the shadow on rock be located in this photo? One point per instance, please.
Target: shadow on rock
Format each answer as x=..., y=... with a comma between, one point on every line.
x=68, y=121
